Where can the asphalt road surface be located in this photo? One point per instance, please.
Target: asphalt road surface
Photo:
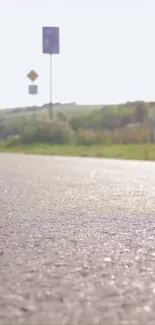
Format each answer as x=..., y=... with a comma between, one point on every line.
x=77, y=241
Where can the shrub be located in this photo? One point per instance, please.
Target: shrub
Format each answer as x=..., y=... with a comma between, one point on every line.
x=54, y=132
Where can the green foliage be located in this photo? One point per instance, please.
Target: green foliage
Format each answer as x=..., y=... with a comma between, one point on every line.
x=140, y=112
x=110, y=124
x=89, y=137
x=53, y=132
x=15, y=141
x=61, y=116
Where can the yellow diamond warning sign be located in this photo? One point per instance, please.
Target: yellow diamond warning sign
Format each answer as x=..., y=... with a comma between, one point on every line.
x=32, y=75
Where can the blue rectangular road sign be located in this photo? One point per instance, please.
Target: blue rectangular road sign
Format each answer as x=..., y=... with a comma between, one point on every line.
x=50, y=40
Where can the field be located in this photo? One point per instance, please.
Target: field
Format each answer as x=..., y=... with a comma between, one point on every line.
x=131, y=151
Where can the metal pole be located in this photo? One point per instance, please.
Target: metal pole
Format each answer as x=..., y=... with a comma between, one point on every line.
x=34, y=112
x=50, y=105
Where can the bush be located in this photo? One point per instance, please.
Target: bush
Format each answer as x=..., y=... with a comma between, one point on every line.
x=87, y=137
x=137, y=134
x=53, y=132
x=91, y=137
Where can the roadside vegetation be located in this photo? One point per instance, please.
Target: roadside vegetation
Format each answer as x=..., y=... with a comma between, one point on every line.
x=121, y=131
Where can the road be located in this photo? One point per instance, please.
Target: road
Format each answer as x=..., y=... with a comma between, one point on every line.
x=77, y=241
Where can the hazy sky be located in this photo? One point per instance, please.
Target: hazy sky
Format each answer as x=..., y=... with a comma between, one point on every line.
x=107, y=51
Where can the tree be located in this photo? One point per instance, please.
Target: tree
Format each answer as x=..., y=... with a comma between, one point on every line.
x=140, y=112
x=126, y=119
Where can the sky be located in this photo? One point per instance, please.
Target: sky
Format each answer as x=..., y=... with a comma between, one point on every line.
x=107, y=51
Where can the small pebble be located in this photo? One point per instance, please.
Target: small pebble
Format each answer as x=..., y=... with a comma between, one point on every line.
x=107, y=259
x=147, y=309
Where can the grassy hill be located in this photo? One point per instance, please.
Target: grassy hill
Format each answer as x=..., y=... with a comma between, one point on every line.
x=71, y=109
x=42, y=111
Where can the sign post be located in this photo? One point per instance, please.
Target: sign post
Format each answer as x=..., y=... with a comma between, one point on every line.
x=50, y=45
x=50, y=104
x=33, y=89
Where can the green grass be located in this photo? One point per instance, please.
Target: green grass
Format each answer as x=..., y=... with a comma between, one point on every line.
x=131, y=151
